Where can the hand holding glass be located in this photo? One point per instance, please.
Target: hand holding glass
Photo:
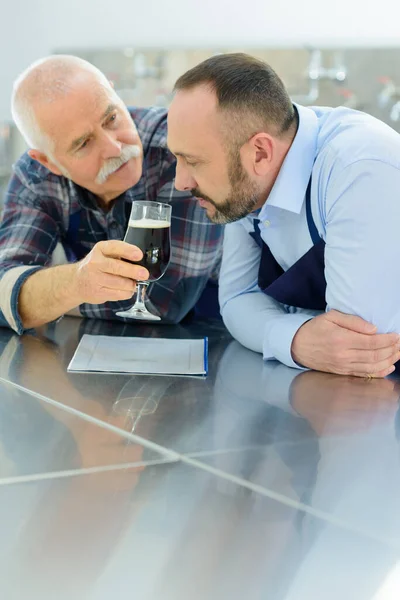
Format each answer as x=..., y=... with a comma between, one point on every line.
x=149, y=229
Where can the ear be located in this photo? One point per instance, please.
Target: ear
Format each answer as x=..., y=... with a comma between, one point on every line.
x=43, y=159
x=259, y=153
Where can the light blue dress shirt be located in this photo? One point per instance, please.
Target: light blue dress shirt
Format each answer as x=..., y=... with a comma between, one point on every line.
x=355, y=200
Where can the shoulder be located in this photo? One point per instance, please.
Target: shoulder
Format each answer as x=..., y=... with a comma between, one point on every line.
x=35, y=177
x=30, y=172
x=32, y=185
x=352, y=147
x=348, y=136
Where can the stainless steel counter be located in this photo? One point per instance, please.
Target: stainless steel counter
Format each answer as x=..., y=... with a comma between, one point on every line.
x=257, y=482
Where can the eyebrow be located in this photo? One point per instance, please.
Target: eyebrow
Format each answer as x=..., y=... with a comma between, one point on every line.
x=78, y=141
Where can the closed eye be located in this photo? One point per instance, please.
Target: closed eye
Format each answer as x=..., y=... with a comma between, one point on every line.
x=83, y=145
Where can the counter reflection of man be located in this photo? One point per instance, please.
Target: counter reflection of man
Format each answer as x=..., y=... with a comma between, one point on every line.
x=252, y=403
x=59, y=516
x=98, y=508
x=85, y=511
x=357, y=423
x=332, y=444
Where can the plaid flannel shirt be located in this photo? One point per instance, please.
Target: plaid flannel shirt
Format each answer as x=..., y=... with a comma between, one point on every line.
x=40, y=206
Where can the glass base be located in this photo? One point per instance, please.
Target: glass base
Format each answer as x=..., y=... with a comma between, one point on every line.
x=139, y=314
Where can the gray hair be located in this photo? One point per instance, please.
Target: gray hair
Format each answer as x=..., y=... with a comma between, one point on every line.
x=42, y=83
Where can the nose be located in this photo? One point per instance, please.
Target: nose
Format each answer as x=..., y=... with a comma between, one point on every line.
x=129, y=136
x=112, y=146
x=183, y=179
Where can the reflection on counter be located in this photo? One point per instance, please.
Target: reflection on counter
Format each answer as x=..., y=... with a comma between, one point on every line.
x=313, y=438
x=259, y=480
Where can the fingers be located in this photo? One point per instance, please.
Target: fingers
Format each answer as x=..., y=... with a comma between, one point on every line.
x=120, y=249
x=122, y=284
x=351, y=322
x=113, y=288
x=364, y=337
x=383, y=373
x=378, y=375
x=385, y=366
x=375, y=342
x=111, y=295
x=347, y=349
x=119, y=268
x=377, y=356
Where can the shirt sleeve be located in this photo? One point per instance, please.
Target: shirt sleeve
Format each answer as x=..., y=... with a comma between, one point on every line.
x=362, y=258
x=28, y=236
x=257, y=321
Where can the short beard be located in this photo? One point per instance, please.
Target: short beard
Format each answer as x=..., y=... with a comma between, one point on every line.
x=243, y=198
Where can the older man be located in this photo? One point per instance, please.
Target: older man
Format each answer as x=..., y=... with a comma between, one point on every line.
x=89, y=158
x=310, y=273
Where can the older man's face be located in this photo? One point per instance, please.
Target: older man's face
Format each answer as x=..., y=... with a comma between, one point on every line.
x=96, y=143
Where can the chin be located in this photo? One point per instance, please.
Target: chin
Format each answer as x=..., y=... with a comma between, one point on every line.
x=211, y=212
x=136, y=169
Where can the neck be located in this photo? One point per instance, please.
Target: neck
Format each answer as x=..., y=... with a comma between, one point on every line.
x=283, y=146
x=282, y=149
x=106, y=201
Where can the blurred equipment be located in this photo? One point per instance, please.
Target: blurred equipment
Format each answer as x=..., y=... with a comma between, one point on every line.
x=361, y=78
x=317, y=71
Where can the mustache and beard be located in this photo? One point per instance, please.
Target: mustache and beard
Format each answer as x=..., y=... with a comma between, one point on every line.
x=242, y=199
x=110, y=166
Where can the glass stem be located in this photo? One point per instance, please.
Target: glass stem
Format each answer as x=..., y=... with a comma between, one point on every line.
x=141, y=295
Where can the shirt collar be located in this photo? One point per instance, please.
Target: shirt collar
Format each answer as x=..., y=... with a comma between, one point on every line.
x=291, y=184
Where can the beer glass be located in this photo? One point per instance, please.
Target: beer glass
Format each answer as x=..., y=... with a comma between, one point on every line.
x=149, y=229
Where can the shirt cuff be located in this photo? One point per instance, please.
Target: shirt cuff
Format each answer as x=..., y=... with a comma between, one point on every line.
x=279, y=336
x=10, y=287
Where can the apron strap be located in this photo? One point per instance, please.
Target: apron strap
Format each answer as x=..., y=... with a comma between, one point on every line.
x=310, y=221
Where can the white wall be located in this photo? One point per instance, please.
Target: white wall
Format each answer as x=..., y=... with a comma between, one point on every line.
x=33, y=28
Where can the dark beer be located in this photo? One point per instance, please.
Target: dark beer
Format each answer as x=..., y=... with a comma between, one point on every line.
x=153, y=238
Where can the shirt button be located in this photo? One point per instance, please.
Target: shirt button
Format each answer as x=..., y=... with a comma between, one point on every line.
x=267, y=223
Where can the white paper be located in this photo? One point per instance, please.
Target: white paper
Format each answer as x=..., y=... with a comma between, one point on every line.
x=151, y=356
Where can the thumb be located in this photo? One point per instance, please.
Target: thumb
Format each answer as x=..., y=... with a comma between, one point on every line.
x=351, y=322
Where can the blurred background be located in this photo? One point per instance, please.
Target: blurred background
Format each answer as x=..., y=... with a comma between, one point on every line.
x=327, y=53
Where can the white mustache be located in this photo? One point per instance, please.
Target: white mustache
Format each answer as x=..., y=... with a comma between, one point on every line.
x=113, y=164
